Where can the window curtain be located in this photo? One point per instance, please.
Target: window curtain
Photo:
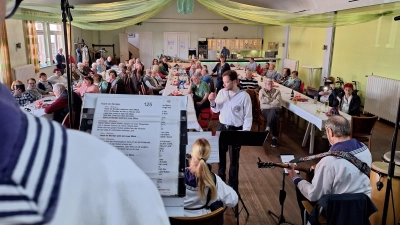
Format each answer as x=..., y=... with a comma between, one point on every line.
x=31, y=44
x=5, y=64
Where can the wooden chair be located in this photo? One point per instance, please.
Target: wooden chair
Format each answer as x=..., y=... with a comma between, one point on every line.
x=311, y=91
x=309, y=208
x=66, y=122
x=213, y=218
x=361, y=128
x=143, y=89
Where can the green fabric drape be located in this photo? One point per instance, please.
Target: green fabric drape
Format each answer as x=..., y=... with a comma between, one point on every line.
x=254, y=15
x=92, y=16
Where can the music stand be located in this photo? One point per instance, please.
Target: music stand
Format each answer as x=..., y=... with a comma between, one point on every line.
x=241, y=138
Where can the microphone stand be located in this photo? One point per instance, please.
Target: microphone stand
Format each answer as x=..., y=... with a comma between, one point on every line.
x=65, y=8
x=391, y=167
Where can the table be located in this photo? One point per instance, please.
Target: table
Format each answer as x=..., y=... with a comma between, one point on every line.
x=40, y=112
x=306, y=110
x=311, y=73
x=192, y=123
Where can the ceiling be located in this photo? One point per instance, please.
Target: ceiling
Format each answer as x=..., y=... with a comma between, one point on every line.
x=306, y=6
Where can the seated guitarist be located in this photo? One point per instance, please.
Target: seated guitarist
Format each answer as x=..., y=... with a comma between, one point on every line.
x=335, y=175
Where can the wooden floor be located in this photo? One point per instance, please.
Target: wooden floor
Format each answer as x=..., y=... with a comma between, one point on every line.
x=260, y=188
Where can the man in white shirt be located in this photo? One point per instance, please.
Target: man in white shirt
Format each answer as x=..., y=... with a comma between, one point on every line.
x=57, y=78
x=235, y=110
x=335, y=175
x=252, y=65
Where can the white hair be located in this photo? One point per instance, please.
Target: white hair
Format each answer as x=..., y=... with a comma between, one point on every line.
x=80, y=64
x=94, y=65
x=121, y=65
x=60, y=87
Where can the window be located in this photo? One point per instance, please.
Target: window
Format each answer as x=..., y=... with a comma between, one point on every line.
x=50, y=39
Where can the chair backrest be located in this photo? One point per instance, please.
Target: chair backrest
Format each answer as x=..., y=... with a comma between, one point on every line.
x=301, y=88
x=66, y=122
x=144, y=92
x=311, y=91
x=254, y=102
x=362, y=125
x=213, y=218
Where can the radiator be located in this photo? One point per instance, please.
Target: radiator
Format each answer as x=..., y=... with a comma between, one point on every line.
x=23, y=73
x=382, y=97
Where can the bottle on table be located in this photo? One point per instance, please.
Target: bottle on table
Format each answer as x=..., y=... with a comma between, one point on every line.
x=292, y=94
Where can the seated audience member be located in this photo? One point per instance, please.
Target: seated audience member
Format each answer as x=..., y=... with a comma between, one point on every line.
x=293, y=82
x=252, y=65
x=198, y=65
x=160, y=75
x=265, y=69
x=86, y=67
x=271, y=73
x=248, y=81
x=348, y=101
x=204, y=67
x=200, y=90
x=285, y=76
x=94, y=67
x=139, y=67
x=270, y=105
x=60, y=106
x=57, y=78
x=335, y=175
x=35, y=92
x=21, y=96
x=151, y=83
x=43, y=84
x=113, y=81
x=88, y=86
x=125, y=84
x=155, y=62
x=122, y=65
x=192, y=70
x=76, y=76
x=165, y=63
x=130, y=62
x=328, y=92
x=101, y=84
x=80, y=70
x=100, y=66
x=108, y=63
x=162, y=69
x=200, y=182
x=207, y=78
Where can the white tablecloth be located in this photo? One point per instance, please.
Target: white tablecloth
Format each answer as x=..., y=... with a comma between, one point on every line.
x=40, y=112
x=306, y=110
x=192, y=123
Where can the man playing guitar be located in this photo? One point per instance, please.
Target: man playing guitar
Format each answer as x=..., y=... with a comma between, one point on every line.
x=335, y=175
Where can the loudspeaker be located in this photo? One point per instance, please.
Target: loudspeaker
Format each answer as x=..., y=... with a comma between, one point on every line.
x=225, y=28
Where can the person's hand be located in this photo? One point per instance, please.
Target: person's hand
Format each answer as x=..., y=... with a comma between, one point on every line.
x=44, y=105
x=199, y=103
x=211, y=97
x=51, y=93
x=291, y=171
x=17, y=92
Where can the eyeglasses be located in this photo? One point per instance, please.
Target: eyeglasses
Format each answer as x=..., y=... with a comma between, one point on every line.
x=31, y=83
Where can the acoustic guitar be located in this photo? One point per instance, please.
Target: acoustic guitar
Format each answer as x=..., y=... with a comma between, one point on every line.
x=308, y=171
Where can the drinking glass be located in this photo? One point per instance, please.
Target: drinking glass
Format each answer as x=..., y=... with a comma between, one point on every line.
x=315, y=100
x=318, y=110
x=295, y=101
x=326, y=104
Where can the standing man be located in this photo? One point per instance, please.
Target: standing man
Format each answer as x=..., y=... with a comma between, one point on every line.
x=235, y=110
x=270, y=105
x=225, y=52
x=60, y=58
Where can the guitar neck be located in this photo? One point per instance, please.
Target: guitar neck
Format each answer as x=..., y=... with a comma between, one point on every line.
x=281, y=165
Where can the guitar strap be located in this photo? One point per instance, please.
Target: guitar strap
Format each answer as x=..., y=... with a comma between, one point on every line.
x=362, y=166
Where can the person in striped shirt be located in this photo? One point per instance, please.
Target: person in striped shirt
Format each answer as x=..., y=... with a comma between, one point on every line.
x=248, y=81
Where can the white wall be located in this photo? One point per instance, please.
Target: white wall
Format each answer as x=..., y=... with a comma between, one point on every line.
x=134, y=40
x=15, y=34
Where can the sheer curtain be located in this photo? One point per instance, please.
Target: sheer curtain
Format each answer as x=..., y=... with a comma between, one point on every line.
x=31, y=44
x=5, y=65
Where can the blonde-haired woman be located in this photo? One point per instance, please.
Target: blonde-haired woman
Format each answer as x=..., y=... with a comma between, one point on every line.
x=204, y=188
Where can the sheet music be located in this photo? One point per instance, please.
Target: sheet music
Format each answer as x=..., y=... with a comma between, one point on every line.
x=147, y=130
x=286, y=159
x=213, y=140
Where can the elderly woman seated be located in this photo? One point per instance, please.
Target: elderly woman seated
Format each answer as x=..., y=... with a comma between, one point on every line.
x=200, y=90
x=20, y=94
x=348, y=101
x=88, y=86
x=113, y=80
x=293, y=82
x=102, y=84
x=94, y=67
x=151, y=82
x=200, y=183
x=328, y=92
x=35, y=92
